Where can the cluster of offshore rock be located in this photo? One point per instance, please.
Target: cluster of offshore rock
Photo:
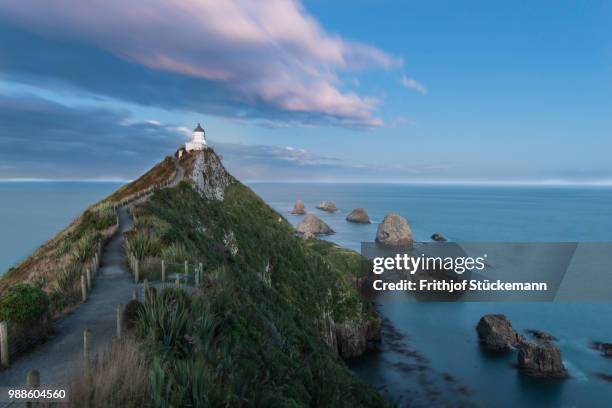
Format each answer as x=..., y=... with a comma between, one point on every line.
x=393, y=231
x=537, y=358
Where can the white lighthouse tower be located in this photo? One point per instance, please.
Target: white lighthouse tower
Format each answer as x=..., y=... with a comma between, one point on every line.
x=198, y=142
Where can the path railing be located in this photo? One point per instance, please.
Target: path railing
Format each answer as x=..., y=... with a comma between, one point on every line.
x=160, y=270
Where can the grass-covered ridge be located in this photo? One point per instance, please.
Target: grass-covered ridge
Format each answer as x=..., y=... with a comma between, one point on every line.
x=57, y=265
x=254, y=332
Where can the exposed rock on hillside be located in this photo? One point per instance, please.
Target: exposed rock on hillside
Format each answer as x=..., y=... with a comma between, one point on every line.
x=358, y=215
x=312, y=225
x=328, y=206
x=206, y=171
x=351, y=338
x=394, y=231
x=541, y=360
x=299, y=208
x=496, y=333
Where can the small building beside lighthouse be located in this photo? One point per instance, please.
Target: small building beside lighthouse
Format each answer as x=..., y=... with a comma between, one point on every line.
x=198, y=141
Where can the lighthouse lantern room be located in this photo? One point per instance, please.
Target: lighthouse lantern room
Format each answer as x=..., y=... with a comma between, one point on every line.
x=198, y=141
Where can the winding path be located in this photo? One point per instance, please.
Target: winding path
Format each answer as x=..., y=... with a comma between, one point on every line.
x=57, y=358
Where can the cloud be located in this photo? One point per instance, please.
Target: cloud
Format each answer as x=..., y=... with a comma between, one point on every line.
x=266, y=59
x=43, y=139
x=413, y=84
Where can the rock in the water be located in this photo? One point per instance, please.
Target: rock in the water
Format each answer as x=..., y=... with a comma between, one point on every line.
x=604, y=348
x=541, y=335
x=541, y=360
x=312, y=225
x=604, y=376
x=298, y=208
x=438, y=237
x=496, y=333
x=328, y=206
x=394, y=231
x=358, y=215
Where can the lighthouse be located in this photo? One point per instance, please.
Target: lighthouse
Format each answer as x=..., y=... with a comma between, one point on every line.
x=198, y=141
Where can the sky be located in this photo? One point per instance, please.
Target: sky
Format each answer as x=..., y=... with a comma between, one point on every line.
x=356, y=91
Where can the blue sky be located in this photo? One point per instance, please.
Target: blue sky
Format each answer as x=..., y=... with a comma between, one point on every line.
x=436, y=91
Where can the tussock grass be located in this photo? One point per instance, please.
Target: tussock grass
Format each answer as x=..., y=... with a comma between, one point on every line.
x=116, y=378
x=142, y=244
x=174, y=253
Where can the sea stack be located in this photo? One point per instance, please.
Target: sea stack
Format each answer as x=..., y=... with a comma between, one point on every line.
x=328, y=206
x=394, y=231
x=358, y=215
x=438, y=237
x=298, y=208
x=497, y=334
x=541, y=360
x=312, y=225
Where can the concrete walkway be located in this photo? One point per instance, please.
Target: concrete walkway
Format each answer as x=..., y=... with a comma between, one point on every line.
x=58, y=357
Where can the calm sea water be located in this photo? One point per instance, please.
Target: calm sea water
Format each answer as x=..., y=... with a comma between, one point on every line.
x=443, y=333
x=33, y=212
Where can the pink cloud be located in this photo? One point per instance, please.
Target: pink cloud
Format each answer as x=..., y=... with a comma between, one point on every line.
x=259, y=51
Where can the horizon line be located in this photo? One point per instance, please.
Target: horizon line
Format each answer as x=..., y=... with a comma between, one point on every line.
x=48, y=180
x=492, y=183
x=535, y=183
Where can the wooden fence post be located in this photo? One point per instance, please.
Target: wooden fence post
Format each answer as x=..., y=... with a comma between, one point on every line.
x=33, y=379
x=83, y=288
x=186, y=267
x=136, y=270
x=86, y=343
x=32, y=382
x=163, y=270
x=88, y=272
x=4, y=344
x=119, y=320
x=178, y=281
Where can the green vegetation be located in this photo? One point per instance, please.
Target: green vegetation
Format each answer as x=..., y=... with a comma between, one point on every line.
x=159, y=174
x=250, y=336
x=58, y=265
x=25, y=308
x=23, y=304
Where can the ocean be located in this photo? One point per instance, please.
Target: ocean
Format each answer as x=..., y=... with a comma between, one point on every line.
x=33, y=212
x=432, y=353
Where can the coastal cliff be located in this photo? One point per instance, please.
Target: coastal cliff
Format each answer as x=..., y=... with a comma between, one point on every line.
x=286, y=305
x=271, y=315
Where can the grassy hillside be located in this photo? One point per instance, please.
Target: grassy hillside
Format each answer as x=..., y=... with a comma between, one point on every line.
x=254, y=333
